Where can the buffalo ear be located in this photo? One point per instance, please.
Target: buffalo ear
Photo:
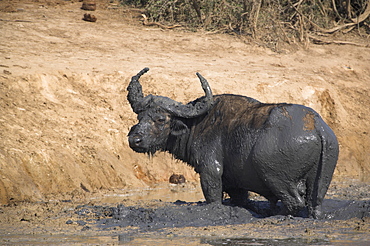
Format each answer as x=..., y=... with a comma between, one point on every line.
x=178, y=127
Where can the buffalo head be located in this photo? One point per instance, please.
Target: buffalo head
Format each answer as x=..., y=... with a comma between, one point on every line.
x=161, y=117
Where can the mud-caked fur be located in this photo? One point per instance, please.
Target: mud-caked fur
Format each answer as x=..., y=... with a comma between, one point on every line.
x=281, y=151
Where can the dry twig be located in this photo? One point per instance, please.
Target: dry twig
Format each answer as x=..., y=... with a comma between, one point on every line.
x=355, y=21
x=15, y=20
x=317, y=40
x=256, y=6
x=147, y=23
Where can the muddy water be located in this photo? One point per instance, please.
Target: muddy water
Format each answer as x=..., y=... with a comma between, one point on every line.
x=190, y=192
x=177, y=215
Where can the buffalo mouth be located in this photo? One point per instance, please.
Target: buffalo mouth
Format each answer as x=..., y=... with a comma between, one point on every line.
x=148, y=151
x=139, y=149
x=137, y=146
x=136, y=143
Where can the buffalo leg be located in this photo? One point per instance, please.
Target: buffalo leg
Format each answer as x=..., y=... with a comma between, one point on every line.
x=288, y=193
x=239, y=197
x=211, y=187
x=313, y=199
x=211, y=181
x=273, y=203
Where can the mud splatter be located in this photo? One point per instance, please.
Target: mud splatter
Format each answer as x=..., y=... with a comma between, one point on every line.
x=309, y=121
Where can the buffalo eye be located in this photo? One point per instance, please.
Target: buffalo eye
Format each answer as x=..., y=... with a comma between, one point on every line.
x=161, y=119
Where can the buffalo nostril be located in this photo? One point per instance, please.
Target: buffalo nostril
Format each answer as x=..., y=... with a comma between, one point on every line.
x=136, y=140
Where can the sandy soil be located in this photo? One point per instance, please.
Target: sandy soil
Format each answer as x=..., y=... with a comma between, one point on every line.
x=64, y=114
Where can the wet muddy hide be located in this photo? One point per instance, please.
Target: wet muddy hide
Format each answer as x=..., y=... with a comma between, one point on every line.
x=237, y=144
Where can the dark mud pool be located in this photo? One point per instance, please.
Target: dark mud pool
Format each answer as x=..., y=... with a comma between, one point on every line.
x=182, y=214
x=179, y=216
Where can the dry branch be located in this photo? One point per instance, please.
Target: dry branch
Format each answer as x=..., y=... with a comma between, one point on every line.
x=317, y=40
x=197, y=9
x=362, y=16
x=256, y=6
x=335, y=8
x=147, y=23
x=15, y=20
x=355, y=21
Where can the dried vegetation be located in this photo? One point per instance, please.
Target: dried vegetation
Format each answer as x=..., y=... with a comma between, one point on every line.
x=269, y=23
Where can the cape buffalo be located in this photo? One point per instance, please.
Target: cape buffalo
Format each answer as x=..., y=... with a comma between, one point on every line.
x=237, y=144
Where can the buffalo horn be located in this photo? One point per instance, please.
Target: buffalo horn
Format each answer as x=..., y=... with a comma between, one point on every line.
x=193, y=109
x=135, y=91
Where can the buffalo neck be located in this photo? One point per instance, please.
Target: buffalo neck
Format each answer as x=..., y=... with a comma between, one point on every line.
x=180, y=146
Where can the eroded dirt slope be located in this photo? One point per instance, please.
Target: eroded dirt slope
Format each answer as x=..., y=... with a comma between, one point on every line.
x=64, y=114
